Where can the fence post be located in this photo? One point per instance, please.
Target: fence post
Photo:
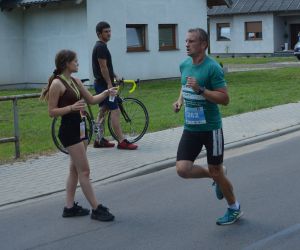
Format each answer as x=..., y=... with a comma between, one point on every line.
x=16, y=128
x=16, y=138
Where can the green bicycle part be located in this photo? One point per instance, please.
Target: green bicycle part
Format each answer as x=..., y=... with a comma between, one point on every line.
x=130, y=82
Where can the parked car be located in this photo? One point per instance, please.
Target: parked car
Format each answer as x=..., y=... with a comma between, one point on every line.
x=297, y=50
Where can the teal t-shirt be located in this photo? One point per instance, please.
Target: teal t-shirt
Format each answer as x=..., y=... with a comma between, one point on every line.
x=199, y=113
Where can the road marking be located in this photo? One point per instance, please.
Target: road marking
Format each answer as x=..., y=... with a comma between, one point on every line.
x=279, y=235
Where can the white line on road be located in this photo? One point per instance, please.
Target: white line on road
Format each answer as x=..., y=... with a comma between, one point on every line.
x=277, y=236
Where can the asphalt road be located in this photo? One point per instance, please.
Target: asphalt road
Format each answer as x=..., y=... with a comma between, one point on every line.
x=162, y=211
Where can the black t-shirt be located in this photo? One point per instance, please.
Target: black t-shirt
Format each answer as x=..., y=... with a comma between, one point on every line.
x=101, y=51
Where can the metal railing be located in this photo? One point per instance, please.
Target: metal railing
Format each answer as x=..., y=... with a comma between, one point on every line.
x=16, y=138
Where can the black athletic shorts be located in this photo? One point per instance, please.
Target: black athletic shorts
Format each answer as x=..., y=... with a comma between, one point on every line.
x=69, y=130
x=191, y=144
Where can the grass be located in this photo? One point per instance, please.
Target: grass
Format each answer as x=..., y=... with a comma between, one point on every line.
x=255, y=60
x=249, y=91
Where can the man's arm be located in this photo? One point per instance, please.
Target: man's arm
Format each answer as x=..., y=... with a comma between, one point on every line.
x=105, y=72
x=178, y=104
x=218, y=96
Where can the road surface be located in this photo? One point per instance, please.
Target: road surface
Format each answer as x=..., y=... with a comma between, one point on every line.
x=162, y=211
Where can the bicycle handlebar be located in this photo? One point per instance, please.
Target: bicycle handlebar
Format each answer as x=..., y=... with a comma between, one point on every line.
x=134, y=83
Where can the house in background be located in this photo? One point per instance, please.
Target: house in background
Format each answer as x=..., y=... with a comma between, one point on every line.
x=148, y=37
x=254, y=27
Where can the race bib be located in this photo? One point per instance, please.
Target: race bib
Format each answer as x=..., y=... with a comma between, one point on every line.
x=194, y=116
x=82, y=130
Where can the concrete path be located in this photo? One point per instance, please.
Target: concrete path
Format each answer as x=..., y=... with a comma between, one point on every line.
x=252, y=67
x=45, y=175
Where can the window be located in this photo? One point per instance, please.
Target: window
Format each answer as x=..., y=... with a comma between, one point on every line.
x=136, y=37
x=223, y=31
x=167, y=36
x=253, y=30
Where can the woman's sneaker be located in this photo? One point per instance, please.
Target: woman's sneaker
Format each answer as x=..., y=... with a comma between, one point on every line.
x=102, y=214
x=103, y=143
x=75, y=211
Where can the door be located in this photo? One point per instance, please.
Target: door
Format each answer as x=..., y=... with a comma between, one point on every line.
x=295, y=30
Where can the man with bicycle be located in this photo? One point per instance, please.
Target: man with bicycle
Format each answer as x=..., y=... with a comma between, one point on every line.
x=203, y=88
x=104, y=79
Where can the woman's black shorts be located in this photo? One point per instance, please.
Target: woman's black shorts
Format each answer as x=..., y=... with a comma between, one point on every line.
x=69, y=130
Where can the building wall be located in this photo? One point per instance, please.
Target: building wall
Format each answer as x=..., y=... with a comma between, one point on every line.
x=292, y=20
x=279, y=30
x=33, y=37
x=221, y=47
x=238, y=44
x=153, y=63
x=11, y=47
x=282, y=26
x=48, y=30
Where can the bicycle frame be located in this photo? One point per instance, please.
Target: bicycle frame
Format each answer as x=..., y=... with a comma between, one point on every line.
x=123, y=112
x=90, y=112
x=120, y=105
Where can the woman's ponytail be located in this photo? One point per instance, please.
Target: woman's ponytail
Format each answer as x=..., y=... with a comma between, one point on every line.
x=45, y=91
x=61, y=59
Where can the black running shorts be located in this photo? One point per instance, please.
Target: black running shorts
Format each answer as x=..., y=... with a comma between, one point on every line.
x=191, y=144
x=69, y=130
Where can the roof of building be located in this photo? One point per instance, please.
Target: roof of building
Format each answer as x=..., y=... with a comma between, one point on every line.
x=32, y=2
x=256, y=6
x=211, y=3
x=10, y=4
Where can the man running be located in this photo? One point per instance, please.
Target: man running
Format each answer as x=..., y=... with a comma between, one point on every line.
x=203, y=88
x=104, y=79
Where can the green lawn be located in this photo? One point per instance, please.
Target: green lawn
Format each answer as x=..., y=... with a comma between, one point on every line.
x=249, y=91
x=255, y=60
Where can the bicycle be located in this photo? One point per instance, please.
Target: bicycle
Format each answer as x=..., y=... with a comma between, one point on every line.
x=134, y=118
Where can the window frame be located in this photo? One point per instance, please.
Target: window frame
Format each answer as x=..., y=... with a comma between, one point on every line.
x=222, y=25
x=142, y=48
x=174, y=36
x=246, y=31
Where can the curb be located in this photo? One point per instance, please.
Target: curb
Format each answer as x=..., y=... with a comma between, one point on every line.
x=262, y=137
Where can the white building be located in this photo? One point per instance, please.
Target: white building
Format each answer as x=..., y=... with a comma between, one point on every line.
x=254, y=27
x=148, y=37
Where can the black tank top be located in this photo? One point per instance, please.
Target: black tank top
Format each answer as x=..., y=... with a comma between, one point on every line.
x=69, y=97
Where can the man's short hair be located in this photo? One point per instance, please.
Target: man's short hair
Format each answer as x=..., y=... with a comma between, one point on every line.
x=101, y=26
x=202, y=34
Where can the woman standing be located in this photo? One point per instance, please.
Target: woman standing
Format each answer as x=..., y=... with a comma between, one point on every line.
x=65, y=96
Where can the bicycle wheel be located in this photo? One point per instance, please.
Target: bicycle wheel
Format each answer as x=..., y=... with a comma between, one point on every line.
x=134, y=119
x=55, y=128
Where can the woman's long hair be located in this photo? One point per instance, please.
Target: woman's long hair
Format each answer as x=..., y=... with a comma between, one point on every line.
x=61, y=59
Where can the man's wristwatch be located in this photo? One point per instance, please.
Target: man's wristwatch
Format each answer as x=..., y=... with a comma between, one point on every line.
x=201, y=90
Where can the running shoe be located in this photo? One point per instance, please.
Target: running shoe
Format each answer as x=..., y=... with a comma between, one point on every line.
x=102, y=214
x=125, y=144
x=75, y=211
x=231, y=216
